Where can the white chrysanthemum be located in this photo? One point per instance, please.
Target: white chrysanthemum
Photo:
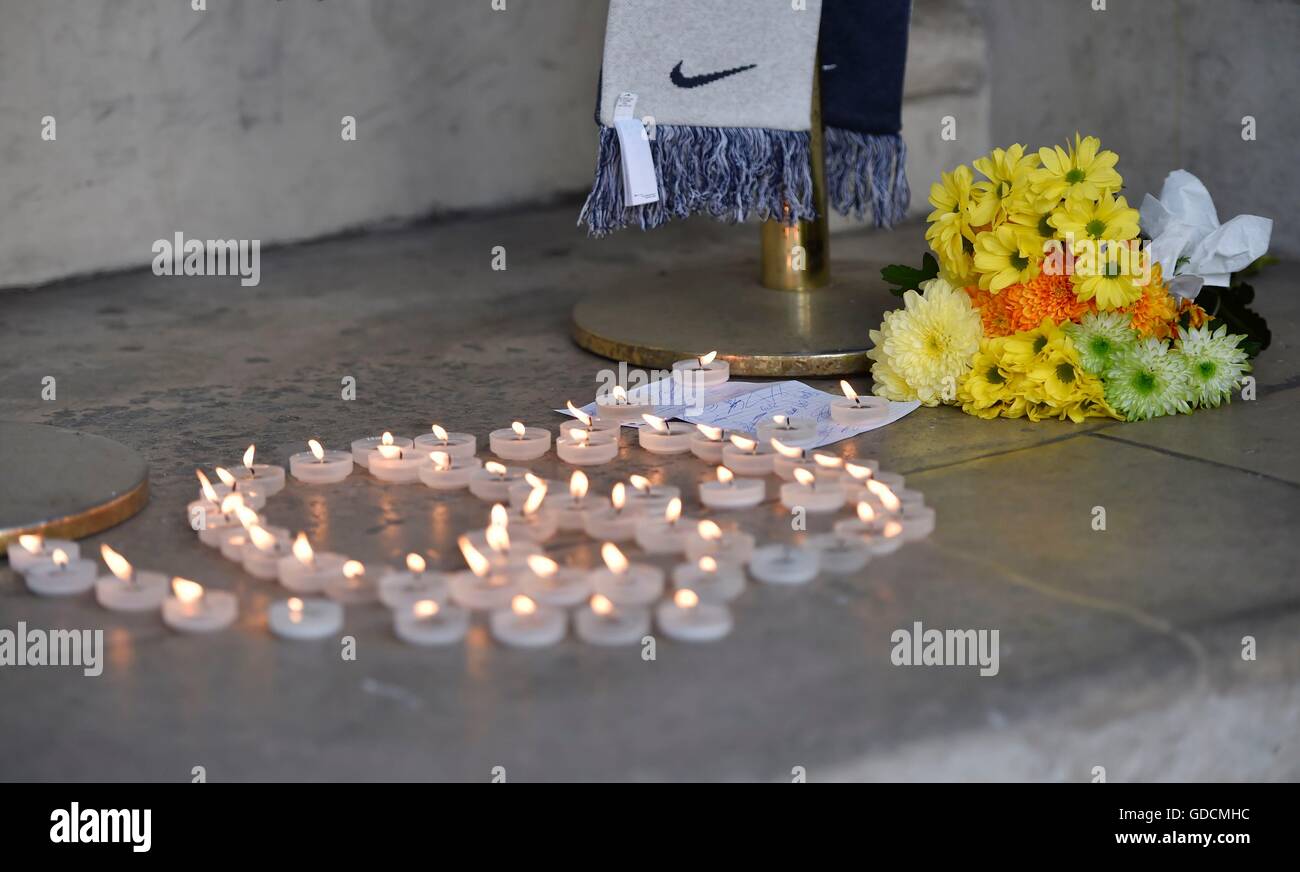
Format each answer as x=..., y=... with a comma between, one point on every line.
x=1215, y=364
x=1099, y=336
x=924, y=348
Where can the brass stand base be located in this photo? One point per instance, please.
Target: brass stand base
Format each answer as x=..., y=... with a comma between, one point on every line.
x=66, y=484
x=657, y=319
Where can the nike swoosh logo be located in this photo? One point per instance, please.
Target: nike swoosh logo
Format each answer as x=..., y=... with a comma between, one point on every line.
x=683, y=81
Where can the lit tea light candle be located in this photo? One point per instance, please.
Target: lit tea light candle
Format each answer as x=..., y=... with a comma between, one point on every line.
x=492, y=482
x=363, y=450
x=231, y=540
x=554, y=585
x=892, y=480
x=254, y=498
x=616, y=407
x=61, y=576
x=826, y=466
x=572, y=513
x=306, y=618
x=403, y=588
x=207, y=505
x=267, y=478
x=917, y=522
x=747, y=456
x=707, y=443
x=839, y=554
x=856, y=474
x=460, y=446
x=791, y=431
x=599, y=428
x=714, y=582
x=306, y=571
x=666, y=533
x=581, y=448
x=532, y=520
x=853, y=410
x=603, y=623
x=33, y=549
x=518, y=442
x=729, y=493
x=665, y=437
x=191, y=608
x=397, y=465
x=614, y=522
x=731, y=546
x=495, y=540
x=128, y=589
x=428, y=622
x=526, y=624
x=884, y=497
x=687, y=619
x=783, y=564
x=353, y=586
x=648, y=498
x=484, y=586
x=520, y=491
x=705, y=371
x=445, y=473
x=882, y=534
x=624, y=583
x=261, y=554
x=318, y=466
x=811, y=493
x=212, y=526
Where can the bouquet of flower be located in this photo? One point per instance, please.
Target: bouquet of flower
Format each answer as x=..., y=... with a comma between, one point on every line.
x=1042, y=298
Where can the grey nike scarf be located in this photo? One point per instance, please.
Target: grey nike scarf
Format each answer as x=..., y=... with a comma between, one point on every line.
x=725, y=89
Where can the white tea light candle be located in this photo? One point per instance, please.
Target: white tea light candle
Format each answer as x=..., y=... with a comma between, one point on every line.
x=728, y=492
x=128, y=589
x=318, y=466
x=492, y=482
x=853, y=410
x=746, y=456
x=599, y=428
x=624, y=583
x=532, y=521
x=518, y=442
x=32, y=549
x=455, y=445
x=725, y=546
x=687, y=619
x=445, y=473
x=665, y=437
x=705, y=371
x=614, y=522
x=397, y=465
x=582, y=448
x=783, y=564
x=553, y=585
x=261, y=554
x=267, y=478
x=305, y=618
x=666, y=533
x=353, y=586
x=430, y=623
x=306, y=571
x=649, y=498
x=484, y=586
x=525, y=624
x=61, y=576
x=839, y=554
x=882, y=534
x=403, y=588
x=791, y=431
x=616, y=407
x=363, y=449
x=812, y=495
x=603, y=623
x=193, y=609
x=707, y=443
x=713, y=581
x=572, y=513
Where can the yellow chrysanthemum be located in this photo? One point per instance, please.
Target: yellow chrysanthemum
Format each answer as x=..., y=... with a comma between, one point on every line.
x=950, y=234
x=1033, y=228
x=1108, y=217
x=1112, y=287
x=1081, y=173
x=1007, y=187
x=922, y=350
x=1002, y=258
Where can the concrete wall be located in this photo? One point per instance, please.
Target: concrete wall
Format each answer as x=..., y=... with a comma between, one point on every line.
x=1165, y=83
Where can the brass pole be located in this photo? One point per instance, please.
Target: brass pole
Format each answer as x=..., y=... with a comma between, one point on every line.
x=796, y=257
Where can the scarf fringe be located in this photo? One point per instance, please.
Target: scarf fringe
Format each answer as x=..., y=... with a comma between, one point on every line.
x=735, y=173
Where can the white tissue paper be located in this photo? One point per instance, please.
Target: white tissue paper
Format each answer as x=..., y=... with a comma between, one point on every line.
x=1183, y=225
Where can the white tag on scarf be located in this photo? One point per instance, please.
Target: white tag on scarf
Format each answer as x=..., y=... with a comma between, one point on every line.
x=640, y=184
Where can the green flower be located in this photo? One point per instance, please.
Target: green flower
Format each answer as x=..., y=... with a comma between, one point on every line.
x=1146, y=381
x=1099, y=337
x=1215, y=363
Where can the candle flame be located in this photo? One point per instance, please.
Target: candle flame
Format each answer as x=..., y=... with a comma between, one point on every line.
x=887, y=498
x=673, y=510
x=579, y=435
x=534, y=501
x=441, y=460
x=686, y=598
x=709, y=531
x=206, y=487
x=495, y=468
x=789, y=451
x=317, y=451
x=519, y=428
x=389, y=452
x=249, y=454
x=59, y=558
x=186, y=591
x=726, y=476
x=541, y=566
x=534, y=480
x=713, y=434
x=440, y=432
x=706, y=359
x=656, y=422
x=804, y=477
x=425, y=608
x=892, y=529
x=303, y=551
x=474, y=559
x=781, y=421
x=522, y=605
x=620, y=395
x=226, y=478
x=613, y=558
x=601, y=605
x=386, y=439
x=498, y=516
x=415, y=563
x=578, y=413
x=848, y=391
x=353, y=569
x=32, y=543
x=708, y=564
x=744, y=443
x=116, y=563
x=866, y=514
x=578, y=484
x=262, y=540
x=858, y=471
x=246, y=516
x=828, y=461
x=497, y=538
x=618, y=495
x=231, y=502
x=640, y=482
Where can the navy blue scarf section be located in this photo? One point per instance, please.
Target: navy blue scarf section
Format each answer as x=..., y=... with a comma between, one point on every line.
x=733, y=173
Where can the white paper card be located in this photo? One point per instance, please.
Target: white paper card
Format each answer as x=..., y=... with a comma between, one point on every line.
x=640, y=184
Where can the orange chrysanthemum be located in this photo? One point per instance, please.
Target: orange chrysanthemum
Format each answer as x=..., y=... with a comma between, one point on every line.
x=994, y=316
x=1046, y=296
x=1196, y=316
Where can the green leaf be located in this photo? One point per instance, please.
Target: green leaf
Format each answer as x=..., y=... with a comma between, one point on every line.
x=907, y=278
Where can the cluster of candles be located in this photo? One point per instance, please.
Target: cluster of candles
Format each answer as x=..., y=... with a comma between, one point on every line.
x=529, y=598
